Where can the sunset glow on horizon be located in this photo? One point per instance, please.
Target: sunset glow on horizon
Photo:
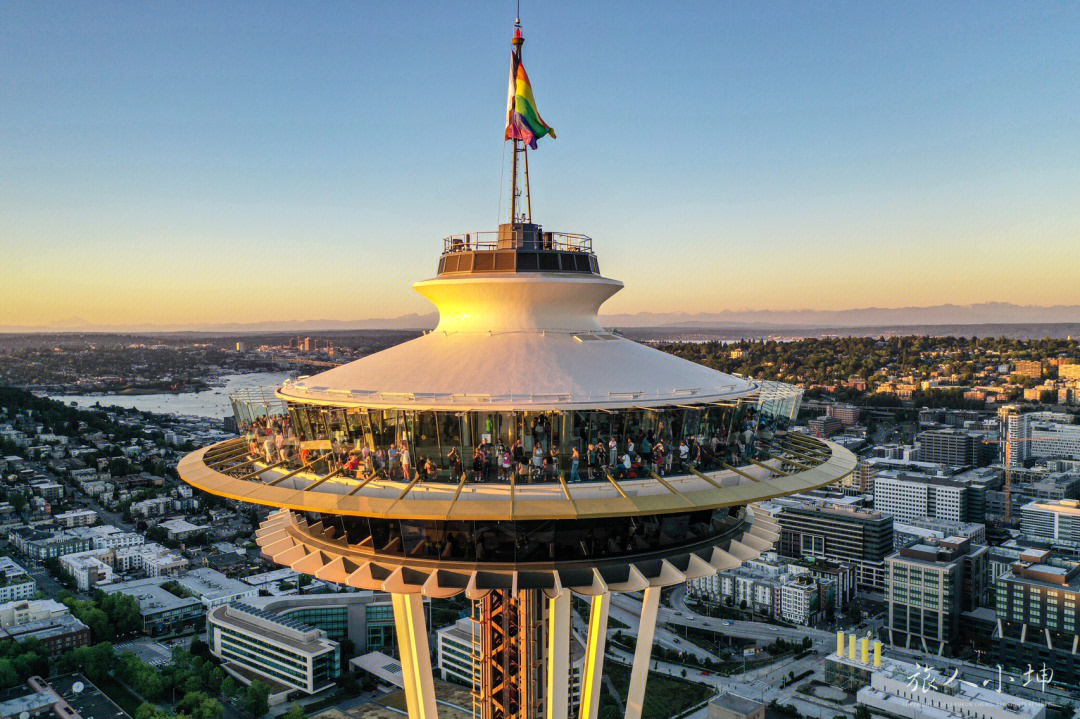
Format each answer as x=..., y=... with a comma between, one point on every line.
x=207, y=163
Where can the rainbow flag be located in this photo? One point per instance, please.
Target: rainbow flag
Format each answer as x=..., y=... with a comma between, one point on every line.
x=523, y=122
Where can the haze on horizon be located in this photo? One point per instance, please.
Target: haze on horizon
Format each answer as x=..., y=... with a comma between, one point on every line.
x=207, y=163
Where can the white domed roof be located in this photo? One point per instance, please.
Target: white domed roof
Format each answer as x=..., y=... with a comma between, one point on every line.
x=512, y=341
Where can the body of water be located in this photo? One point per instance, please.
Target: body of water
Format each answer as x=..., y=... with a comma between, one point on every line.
x=213, y=402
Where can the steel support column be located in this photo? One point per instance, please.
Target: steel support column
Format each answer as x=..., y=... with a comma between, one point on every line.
x=558, y=657
x=415, y=656
x=594, y=655
x=635, y=699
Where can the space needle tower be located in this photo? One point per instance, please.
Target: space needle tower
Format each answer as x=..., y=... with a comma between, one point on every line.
x=520, y=454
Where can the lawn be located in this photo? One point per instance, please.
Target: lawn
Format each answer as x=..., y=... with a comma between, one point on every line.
x=665, y=696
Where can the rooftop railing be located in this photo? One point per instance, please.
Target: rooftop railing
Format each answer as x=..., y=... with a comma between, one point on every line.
x=489, y=241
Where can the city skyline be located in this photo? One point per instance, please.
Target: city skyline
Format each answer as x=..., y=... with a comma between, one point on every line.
x=153, y=158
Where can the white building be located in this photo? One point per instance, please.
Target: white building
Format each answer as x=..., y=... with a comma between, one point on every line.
x=284, y=650
x=214, y=589
x=165, y=563
x=1042, y=435
x=1056, y=521
x=106, y=536
x=17, y=584
x=909, y=497
x=156, y=507
x=799, y=600
x=76, y=518
x=891, y=693
x=179, y=529
x=88, y=569
x=13, y=614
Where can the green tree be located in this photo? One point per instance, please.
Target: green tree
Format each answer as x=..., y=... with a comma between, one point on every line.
x=9, y=676
x=861, y=712
x=229, y=688
x=296, y=712
x=257, y=699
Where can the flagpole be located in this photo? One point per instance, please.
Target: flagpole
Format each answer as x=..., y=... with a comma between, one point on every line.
x=519, y=147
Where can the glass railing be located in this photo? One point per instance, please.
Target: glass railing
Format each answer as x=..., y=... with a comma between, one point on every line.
x=282, y=451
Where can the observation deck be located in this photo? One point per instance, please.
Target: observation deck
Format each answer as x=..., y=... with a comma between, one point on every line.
x=518, y=247
x=378, y=533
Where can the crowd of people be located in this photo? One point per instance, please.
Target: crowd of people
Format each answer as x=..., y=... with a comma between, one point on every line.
x=641, y=454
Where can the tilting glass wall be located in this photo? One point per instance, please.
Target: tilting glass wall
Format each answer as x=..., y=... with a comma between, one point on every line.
x=445, y=445
x=253, y=403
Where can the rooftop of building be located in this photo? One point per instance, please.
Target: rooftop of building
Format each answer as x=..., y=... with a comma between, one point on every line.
x=89, y=701
x=291, y=633
x=179, y=524
x=54, y=626
x=1058, y=506
x=150, y=595
x=211, y=585
x=832, y=509
x=9, y=567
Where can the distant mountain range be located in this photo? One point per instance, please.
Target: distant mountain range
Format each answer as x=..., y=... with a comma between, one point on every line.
x=868, y=317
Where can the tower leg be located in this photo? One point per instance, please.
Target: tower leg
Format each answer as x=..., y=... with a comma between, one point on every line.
x=415, y=655
x=635, y=699
x=594, y=655
x=558, y=657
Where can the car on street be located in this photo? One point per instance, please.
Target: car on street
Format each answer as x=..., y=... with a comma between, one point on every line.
x=689, y=618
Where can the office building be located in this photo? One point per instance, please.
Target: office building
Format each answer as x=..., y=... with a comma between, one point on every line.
x=1054, y=521
x=213, y=588
x=930, y=585
x=949, y=447
x=286, y=652
x=922, y=530
x=15, y=582
x=163, y=613
x=860, y=537
x=365, y=618
x=1036, y=604
x=909, y=497
x=1041, y=435
x=825, y=426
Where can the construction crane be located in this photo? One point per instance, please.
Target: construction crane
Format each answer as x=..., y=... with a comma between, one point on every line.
x=1008, y=466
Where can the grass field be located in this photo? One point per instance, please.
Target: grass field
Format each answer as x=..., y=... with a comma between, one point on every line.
x=664, y=696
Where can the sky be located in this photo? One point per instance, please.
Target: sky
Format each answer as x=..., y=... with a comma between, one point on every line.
x=218, y=162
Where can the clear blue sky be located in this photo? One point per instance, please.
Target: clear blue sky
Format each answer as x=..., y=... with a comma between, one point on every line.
x=213, y=162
